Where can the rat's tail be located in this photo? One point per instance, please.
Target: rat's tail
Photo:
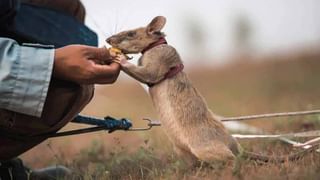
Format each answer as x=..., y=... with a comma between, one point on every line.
x=277, y=159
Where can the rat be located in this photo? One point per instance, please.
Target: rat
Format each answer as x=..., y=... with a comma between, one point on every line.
x=196, y=132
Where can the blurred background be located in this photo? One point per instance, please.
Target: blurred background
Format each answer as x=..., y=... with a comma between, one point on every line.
x=215, y=30
x=244, y=56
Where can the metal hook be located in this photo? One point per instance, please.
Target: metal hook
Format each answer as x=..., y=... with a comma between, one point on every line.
x=150, y=124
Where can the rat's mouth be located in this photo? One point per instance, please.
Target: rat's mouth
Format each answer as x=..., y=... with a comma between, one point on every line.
x=118, y=51
x=125, y=51
x=118, y=48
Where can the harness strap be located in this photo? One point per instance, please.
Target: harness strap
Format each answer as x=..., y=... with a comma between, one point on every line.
x=170, y=74
x=162, y=40
x=172, y=71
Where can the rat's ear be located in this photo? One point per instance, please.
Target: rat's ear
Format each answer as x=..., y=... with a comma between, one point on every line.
x=156, y=24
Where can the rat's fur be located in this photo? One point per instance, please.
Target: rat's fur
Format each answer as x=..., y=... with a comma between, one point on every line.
x=192, y=127
x=196, y=132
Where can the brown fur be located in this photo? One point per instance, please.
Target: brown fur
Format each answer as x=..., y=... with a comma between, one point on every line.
x=184, y=114
x=196, y=132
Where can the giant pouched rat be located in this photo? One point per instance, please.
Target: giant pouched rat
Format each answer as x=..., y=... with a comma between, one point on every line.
x=196, y=132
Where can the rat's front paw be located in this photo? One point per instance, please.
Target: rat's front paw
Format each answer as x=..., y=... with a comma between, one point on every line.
x=121, y=59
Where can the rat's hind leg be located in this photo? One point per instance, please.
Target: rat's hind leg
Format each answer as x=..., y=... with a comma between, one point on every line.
x=186, y=156
x=211, y=152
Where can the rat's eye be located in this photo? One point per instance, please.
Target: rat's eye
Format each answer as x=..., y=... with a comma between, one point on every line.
x=131, y=34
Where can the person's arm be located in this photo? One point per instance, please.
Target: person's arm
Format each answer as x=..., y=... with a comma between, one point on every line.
x=25, y=73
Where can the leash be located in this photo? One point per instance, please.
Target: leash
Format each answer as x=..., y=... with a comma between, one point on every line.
x=108, y=123
x=315, y=133
x=261, y=116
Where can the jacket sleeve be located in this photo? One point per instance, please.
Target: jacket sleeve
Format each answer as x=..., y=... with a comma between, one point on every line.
x=25, y=73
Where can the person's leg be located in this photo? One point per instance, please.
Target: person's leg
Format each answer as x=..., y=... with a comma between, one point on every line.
x=72, y=7
x=64, y=101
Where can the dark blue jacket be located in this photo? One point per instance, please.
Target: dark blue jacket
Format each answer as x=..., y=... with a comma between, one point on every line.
x=8, y=9
x=32, y=24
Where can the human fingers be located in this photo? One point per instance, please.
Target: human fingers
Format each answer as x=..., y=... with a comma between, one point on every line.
x=106, y=69
x=99, y=54
x=106, y=73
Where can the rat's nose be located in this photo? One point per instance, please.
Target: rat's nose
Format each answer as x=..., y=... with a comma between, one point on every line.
x=108, y=40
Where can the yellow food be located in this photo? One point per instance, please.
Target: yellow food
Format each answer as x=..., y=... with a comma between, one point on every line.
x=115, y=50
x=118, y=52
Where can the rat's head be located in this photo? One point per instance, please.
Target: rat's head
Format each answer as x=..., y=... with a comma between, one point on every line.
x=136, y=40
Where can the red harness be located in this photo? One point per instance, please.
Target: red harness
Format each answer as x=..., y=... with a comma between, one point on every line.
x=162, y=40
x=172, y=71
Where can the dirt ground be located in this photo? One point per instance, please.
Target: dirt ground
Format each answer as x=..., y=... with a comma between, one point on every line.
x=271, y=84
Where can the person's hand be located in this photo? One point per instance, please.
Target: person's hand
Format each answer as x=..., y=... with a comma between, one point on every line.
x=85, y=65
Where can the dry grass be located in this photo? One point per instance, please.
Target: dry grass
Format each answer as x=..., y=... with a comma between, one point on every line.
x=283, y=83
